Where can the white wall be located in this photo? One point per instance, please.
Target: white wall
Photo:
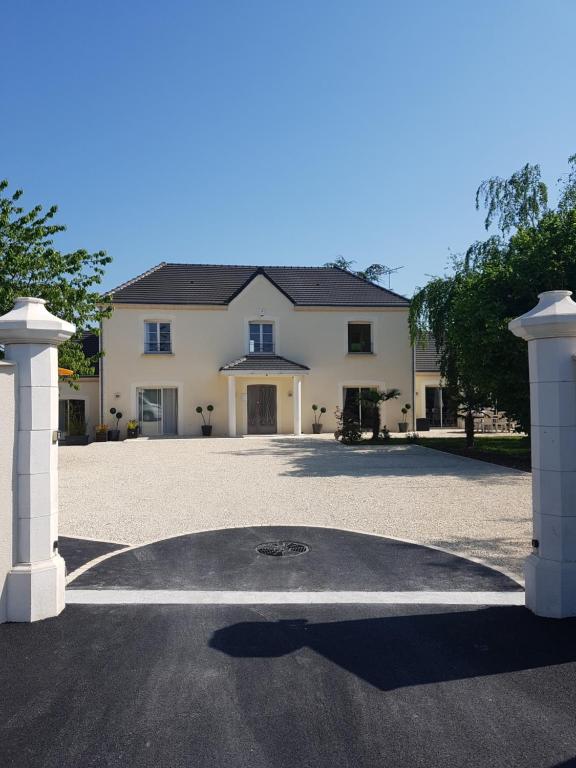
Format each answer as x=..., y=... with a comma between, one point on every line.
x=7, y=474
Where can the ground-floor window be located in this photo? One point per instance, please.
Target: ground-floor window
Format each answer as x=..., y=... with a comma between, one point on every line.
x=158, y=410
x=72, y=417
x=440, y=408
x=357, y=407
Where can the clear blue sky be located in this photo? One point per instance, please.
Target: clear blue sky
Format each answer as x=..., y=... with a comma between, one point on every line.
x=281, y=131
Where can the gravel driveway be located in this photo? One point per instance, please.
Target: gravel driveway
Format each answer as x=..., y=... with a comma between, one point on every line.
x=142, y=490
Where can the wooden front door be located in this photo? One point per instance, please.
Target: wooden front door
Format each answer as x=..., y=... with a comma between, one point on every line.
x=261, y=409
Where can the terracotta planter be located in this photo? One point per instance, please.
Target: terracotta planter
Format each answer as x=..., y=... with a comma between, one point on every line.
x=316, y=429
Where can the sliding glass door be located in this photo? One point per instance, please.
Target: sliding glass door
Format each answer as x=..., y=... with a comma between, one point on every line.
x=440, y=409
x=357, y=407
x=71, y=417
x=158, y=411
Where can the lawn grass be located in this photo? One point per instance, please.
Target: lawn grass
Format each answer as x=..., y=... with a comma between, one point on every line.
x=506, y=450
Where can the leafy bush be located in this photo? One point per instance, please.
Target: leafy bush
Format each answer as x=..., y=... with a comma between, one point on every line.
x=348, y=429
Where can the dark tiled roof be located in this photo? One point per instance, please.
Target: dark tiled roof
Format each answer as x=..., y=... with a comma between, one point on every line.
x=264, y=363
x=427, y=359
x=219, y=284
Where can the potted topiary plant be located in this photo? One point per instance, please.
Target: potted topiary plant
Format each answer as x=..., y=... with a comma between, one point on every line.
x=317, y=423
x=206, y=426
x=114, y=434
x=132, y=428
x=101, y=433
x=403, y=425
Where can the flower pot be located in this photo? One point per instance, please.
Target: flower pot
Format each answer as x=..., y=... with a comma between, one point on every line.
x=206, y=430
x=131, y=433
x=316, y=429
x=101, y=437
x=403, y=426
x=113, y=435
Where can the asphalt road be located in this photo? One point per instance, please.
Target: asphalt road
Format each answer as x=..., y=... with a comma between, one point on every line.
x=282, y=686
x=278, y=687
x=336, y=560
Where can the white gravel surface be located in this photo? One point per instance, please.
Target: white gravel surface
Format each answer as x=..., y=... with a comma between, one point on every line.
x=143, y=490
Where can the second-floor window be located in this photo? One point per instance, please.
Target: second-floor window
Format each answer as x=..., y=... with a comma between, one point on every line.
x=261, y=338
x=360, y=338
x=157, y=338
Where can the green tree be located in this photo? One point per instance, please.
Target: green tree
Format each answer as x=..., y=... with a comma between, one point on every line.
x=30, y=265
x=519, y=201
x=374, y=273
x=498, y=279
x=436, y=309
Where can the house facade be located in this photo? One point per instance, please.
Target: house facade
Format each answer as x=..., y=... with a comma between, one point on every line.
x=259, y=344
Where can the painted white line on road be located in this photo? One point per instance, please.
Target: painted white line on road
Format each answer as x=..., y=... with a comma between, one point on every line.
x=233, y=597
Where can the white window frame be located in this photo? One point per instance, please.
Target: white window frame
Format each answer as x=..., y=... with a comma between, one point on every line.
x=262, y=321
x=157, y=323
x=160, y=384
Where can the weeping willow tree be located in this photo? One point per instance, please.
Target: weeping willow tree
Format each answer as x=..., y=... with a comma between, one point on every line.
x=468, y=310
x=435, y=310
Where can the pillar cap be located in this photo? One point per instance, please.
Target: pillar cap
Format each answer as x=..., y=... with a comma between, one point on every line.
x=553, y=317
x=29, y=322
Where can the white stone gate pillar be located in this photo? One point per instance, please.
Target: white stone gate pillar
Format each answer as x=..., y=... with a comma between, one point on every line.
x=550, y=329
x=37, y=580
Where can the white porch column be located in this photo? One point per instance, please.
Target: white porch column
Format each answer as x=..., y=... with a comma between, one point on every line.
x=231, y=406
x=550, y=329
x=36, y=582
x=297, y=403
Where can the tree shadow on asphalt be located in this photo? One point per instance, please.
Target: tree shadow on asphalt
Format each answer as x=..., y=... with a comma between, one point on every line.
x=410, y=650
x=321, y=458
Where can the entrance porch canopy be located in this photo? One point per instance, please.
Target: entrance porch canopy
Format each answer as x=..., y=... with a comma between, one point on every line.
x=264, y=365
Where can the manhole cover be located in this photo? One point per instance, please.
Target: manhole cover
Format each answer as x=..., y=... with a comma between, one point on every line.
x=282, y=548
